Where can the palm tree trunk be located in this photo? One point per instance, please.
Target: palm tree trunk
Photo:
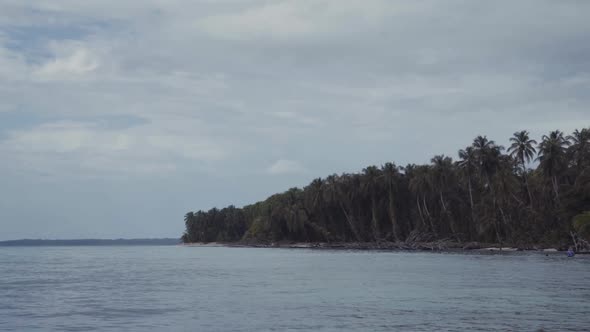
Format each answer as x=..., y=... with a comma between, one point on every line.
x=526, y=183
x=475, y=225
x=350, y=223
x=494, y=204
x=555, y=188
x=374, y=218
x=420, y=211
x=442, y=201
x=393, y=221
x=498, y=234
x=425, y=206
x=428, y=215
x=503, y=216
x=446, y=212
x=470, y=193
x=392, y=215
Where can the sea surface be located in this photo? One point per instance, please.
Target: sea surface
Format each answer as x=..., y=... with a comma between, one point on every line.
x=175, y=288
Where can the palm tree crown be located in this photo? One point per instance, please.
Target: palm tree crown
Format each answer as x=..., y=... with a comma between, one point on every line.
x=522, y=147
x=580, y=146
x=552, y=153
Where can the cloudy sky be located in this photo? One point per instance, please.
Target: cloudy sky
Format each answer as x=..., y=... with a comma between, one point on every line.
x=117, y=117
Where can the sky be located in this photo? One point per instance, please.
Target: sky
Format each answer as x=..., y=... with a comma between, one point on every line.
x=118, y=117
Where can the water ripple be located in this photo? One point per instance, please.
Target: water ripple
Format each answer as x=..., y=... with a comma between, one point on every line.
x=229, y=289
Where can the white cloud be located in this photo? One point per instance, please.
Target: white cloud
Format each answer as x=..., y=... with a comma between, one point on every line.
x=280, y=20
x=346, y=74
x=294, y=19
x=80, y=61
x=89, y=148
x=284, y=166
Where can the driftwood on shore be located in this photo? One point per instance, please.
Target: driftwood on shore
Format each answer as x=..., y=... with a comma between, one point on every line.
x=416, y=241
x=440, y=245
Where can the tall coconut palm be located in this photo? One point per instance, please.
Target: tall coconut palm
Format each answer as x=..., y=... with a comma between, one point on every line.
x=189, y=217
x=391, y=174
x=315, y=207
x=288, y=210
x=315, y=189
x=488, y=160
x=189, y=220
x=442, y=169
x=370, y=187
x=505, y=183
x=352, y=197
x=552, y=158
x=468, y=164
x=522, y=149
x=580, y=147
x=334, y=195
x=487, y=155
x=421, y=185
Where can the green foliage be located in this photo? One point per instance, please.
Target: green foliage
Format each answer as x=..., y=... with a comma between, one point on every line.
x=581, y=224
x=486, y=196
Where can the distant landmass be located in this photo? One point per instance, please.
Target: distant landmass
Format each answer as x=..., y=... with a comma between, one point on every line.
x=90, y=242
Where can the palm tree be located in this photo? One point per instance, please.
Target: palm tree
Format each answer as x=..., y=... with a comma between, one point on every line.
x=391, y=173
x=316, y=209
x=552, y=158
x=488, y=156
x=523, y=151
x=468, y=164
x=441, y=171
x=487, y=153
x=421, y=184
x=369, y=186
x=289, y=211
x=504, y=182
x=189, y=219
x=580, y=147
x=334, y=194
x=315, y=189
x=522, y=147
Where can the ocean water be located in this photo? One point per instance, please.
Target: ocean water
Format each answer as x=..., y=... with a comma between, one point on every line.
x=173, y=288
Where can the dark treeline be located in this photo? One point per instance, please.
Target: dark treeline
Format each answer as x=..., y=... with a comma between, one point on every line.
x=489, y=194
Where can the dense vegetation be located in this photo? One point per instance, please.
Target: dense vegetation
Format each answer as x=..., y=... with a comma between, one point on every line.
x=490, y=194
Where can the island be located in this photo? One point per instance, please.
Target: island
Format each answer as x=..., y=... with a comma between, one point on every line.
x=528, y=195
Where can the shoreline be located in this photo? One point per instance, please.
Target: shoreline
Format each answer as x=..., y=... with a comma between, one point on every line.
x=386, y=246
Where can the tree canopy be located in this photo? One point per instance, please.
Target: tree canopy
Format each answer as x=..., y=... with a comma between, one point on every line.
x=486, y=195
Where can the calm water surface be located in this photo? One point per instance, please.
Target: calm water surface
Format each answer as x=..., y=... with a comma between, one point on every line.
x=231, y=289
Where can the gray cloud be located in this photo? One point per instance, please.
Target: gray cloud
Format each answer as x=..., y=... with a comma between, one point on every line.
x=187, y=105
